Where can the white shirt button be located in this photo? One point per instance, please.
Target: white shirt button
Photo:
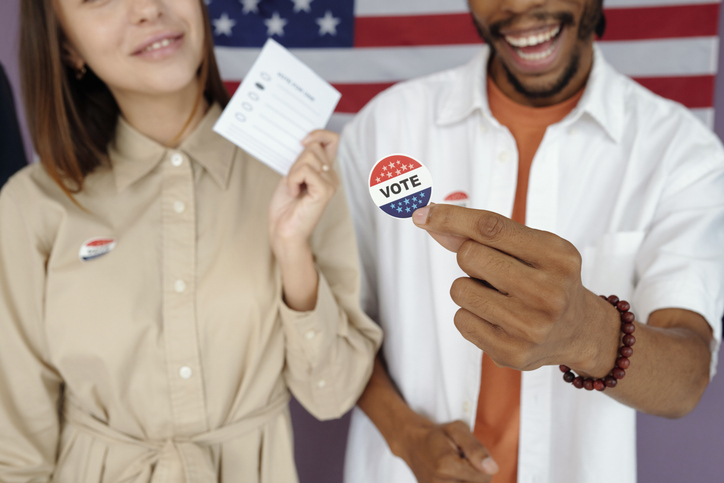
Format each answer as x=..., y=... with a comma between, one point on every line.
x=310, y=334
x=185, y=372
x=483, y=129
x=466, y=407
x=179, y=286
x=573, y=131
x=321, y=383
x=504, y=156
x=177, y=160
x=179, y=207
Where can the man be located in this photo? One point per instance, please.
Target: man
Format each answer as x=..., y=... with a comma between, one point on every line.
x=611, y=190
x=12, y=156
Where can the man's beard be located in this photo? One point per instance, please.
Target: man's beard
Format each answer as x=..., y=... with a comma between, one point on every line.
x=586, y=27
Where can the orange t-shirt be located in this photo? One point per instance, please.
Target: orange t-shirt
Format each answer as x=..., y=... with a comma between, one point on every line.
x=498, y=415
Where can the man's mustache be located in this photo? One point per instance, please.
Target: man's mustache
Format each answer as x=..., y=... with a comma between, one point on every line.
x=564, y=18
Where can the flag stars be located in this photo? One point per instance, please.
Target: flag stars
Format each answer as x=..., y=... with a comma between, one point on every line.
x=223, y=25
x=399, y=210
x=407, y=202
x=404, y=167
x=422, y=195
x=392, y=165
x=389, y=175
x=250, y=6
x=302, y=6
x=398, y=172
x=414, y=206
x=407, y=210
x=392, y=205
x=414, y=198
x=377, y=180
x=328, y=24
x=275, y=25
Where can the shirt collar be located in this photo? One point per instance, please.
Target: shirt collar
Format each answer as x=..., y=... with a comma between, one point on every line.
x=603, y=97
x=134, y=155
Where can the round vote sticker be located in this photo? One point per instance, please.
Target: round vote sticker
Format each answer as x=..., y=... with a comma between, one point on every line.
x=399, y=185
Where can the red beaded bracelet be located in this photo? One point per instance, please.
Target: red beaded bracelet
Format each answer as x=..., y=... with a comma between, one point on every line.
x=622, y=363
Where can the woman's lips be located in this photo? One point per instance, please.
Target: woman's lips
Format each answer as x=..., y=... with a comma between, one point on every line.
x=160, y=46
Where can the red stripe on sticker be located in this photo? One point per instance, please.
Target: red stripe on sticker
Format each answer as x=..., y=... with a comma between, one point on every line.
x=621, y=24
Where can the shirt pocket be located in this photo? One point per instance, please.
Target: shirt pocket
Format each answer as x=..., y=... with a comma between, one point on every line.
x=609, y=266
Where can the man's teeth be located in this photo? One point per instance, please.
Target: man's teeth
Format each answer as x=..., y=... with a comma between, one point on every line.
x=532, y=40
x=536, y=55
x=158, y=45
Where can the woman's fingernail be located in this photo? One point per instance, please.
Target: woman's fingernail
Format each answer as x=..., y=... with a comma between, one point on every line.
x=490, y=466
x=419, y=217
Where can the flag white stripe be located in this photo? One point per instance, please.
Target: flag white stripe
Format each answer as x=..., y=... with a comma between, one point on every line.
x=706, y=115
x=640, y=58
x=378, y=8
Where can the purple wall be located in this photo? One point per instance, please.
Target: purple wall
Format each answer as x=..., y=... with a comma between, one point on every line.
x=689, y=449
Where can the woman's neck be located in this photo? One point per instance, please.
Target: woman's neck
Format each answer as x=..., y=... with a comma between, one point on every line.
x=167, y=119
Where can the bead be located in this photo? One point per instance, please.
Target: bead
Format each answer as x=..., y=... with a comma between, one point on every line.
x=623, y=362
x=603, y=297
x=564, y=368
x=627, y=317
x=610, y=381
x=569, y=376
x=626, y=351
x=618, y=373
x=623, y=306
x=578, y=382
x=588, y=384
x=629, y=340
x=598, y=385
x=628, y=328
x=612, y=299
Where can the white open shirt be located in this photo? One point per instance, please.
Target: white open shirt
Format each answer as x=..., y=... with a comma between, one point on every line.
x=634, y=181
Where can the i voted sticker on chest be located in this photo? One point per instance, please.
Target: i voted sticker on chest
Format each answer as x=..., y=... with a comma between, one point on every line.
x=399, y=185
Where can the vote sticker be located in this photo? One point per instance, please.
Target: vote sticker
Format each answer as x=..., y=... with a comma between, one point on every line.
x=399, y=185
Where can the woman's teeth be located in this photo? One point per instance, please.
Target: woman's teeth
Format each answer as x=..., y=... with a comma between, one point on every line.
x=533, y=40
x=158, y=45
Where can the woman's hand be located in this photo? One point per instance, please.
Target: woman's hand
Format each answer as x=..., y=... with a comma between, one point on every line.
x=295, y=209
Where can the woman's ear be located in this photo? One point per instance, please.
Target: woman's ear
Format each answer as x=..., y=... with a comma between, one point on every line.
x=71, y=57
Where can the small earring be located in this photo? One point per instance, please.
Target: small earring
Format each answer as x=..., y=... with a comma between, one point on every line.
x=80, y=73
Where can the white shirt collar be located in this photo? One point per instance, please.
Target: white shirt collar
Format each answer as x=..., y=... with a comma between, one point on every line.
x=602, y=99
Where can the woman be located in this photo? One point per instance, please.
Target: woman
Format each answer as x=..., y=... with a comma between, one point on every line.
x=159, y=286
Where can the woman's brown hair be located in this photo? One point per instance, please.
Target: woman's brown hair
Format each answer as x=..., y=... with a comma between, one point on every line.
x=72, y=120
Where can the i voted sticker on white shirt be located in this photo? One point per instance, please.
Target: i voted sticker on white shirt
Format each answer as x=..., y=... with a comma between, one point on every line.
x=399, y=185
x=96, y=247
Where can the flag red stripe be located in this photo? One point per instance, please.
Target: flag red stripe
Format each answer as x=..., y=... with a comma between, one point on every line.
x=692, y=91
x=621, y=24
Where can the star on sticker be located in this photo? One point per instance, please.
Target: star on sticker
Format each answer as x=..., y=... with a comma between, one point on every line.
x=275, y=25
x=250, y=6
x=389, y=175
x=399, y=210
x=398, y=172
x=414, y=207
x=409, y=166
x=223, y=25
x=414, y=198
x=422, y=195
x=328, y=24
x=407, y=202
x=407, y=210
x=404, y=167
x=377, y=180
x=392, y=205
x=302, y=5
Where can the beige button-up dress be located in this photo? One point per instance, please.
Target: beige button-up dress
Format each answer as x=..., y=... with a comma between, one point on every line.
x=143, y=337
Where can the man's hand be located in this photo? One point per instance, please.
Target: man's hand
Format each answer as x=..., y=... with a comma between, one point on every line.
x=446, y=452
x=524, y=303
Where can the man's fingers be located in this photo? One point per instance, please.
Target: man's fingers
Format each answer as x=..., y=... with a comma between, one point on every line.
x=485, y=227
x=475, y=453
x=499, y=269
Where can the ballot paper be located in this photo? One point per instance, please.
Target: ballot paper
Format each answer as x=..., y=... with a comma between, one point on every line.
x=280, y=101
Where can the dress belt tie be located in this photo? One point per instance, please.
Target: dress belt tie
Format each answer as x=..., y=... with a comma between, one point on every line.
x=171, y=460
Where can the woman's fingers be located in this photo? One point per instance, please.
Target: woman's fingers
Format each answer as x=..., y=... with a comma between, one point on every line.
x=327, y=139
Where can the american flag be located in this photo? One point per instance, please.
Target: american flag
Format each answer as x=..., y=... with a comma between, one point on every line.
x=364, y=46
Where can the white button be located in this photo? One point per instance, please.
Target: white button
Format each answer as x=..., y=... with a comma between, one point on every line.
x=483, y=129
x=573, y=131
x=179, y=207
x=321, y=383
x=177, y=160
x=310, y=334
x=504, y=156
x=185, y=372
x=466, y=407
x=179, y=286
